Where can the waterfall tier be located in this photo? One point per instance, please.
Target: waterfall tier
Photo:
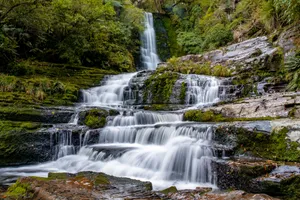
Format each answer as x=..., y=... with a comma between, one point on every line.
x=149, y=55
x=110, y=93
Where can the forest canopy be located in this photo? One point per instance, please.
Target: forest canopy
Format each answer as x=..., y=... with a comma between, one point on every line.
x=97, y=33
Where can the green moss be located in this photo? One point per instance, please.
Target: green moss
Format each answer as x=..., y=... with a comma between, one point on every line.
x=159, y=87
x=101, y=179
x=50, y=84
x=95, y=118
x=13, y=135
x=53, y=176
x=95, y=121
x=148, y=186
x=190, y=67
x=19, y=190
x=171, y=189
x=211, y=116
x=183, y=90
x=290, y=188
x=157, y=107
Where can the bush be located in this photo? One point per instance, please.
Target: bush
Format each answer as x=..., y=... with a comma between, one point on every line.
x=217, y=36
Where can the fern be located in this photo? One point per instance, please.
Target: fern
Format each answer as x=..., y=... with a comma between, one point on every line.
x=293, y=66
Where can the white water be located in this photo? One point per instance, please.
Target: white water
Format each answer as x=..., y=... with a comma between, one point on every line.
x=202, y=90
x=111, y=93
x=149, y=55
x=168, y=155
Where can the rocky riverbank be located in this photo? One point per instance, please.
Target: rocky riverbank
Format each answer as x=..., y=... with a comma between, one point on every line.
x=89, y=185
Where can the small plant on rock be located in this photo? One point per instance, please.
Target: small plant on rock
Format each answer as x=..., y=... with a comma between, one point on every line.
x=293, y=66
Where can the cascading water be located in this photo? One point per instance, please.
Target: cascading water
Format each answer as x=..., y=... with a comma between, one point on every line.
x=111, y=93
x=143, y=145
x=202, y=90
x=149, y=55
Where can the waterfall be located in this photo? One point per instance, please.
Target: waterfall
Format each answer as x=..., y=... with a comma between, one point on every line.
x=152, y=146
x=110, y=93
x=149, y=55
x=202, y=90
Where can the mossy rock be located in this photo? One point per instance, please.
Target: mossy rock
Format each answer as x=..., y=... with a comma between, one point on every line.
x=213, y=116
x=171, y=189
x=159, y=87
x=21, y=143
x=285, y=189
x=95, y=118
x=274, y=146
x=19, y=190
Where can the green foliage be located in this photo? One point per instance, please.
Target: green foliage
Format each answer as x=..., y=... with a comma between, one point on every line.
x=289, y=9
x=183, y=90
x=217, y=36
x=293, y=67
x=36, y=88
x=159, y=87
x=47, y=83
x=190, y=41
x=205, y=25
x=86, y=32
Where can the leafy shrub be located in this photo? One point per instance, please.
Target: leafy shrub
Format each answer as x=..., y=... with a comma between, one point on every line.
x=217, y=36
x=190, y=41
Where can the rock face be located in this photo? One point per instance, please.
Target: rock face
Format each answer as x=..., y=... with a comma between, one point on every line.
x=240, y=173
x=272, y=105
x=239, y=57
x=259, y=177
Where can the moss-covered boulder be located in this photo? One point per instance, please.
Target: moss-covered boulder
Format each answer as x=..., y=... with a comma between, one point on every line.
x=159, y=88
x=96, y=117
x=274, y=146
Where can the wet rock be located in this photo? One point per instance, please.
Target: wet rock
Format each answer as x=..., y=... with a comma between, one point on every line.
x=205, y=194
x=238, y=174
x=283, y=181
